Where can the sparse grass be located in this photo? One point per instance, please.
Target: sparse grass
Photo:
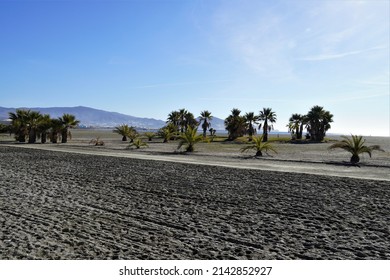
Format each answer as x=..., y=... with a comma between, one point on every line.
x=150, y=135
x=280, y=139
x=218, y=138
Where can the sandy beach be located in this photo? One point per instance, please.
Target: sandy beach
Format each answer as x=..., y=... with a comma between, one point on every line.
x=90, y=203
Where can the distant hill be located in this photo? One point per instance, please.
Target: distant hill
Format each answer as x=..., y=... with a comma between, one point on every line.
x=216, y=123
x=91, y=117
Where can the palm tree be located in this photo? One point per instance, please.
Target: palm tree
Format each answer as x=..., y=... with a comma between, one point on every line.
x=355, y=146
x=19, y=124
x=43, y=127
x=150, y=135
x=206, y=117
x=235, y=124
x=33, y=120
x=251, y=119
x=167, y=132
x=138, y=143
x=318, y=122
x=174, y=119
x=268, y=117
x=68, y=121
x=259, y=145
x=295, y=125
x=189, y=138
x=124, y=130
x=56, y=127
x=133, y=134
x=182, y=119
x=190, y=121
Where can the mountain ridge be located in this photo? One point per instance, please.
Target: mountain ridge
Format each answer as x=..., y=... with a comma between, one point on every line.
x=91, y=117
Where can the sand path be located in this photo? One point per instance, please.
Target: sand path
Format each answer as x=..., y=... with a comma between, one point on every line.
x=371, y=172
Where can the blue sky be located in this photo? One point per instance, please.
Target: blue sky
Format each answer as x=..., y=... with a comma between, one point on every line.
x=148, y=58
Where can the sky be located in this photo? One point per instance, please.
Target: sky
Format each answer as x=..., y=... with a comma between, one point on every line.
x=148, y=58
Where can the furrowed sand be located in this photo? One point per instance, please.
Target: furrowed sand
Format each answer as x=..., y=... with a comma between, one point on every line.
x=77, y=201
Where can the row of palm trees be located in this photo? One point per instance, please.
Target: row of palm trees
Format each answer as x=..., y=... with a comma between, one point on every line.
x=180, y=121
x=32, y=125
x=239, y=125
x=182, y=125
x=316, y=121
x=126, y=132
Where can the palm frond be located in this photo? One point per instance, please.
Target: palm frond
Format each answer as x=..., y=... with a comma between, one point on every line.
x=259, y=146
x=355, y=146
x=189, y=138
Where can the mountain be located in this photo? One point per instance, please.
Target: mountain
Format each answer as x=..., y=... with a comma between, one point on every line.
x=216, y=123
x=92, y=117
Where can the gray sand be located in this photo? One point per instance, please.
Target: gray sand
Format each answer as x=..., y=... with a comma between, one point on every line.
x=56, y=205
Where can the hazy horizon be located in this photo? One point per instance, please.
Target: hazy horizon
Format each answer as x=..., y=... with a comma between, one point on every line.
x=148, y=58
x=275, y=131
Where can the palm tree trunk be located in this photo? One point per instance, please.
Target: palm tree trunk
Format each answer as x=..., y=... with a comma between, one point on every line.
x=21, y=137
x=32, y=137
x=190, y=148
x=355, y=159
x=265, y=131
x=64, y=136
x=250, y=130
x=43, y=137
x=299, y=136
x=53, y=137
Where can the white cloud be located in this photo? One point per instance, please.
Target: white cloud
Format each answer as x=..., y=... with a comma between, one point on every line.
x=267, y=38
x=255, y=38
x=375, y=81
x=357, y=97
x=339, y=55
